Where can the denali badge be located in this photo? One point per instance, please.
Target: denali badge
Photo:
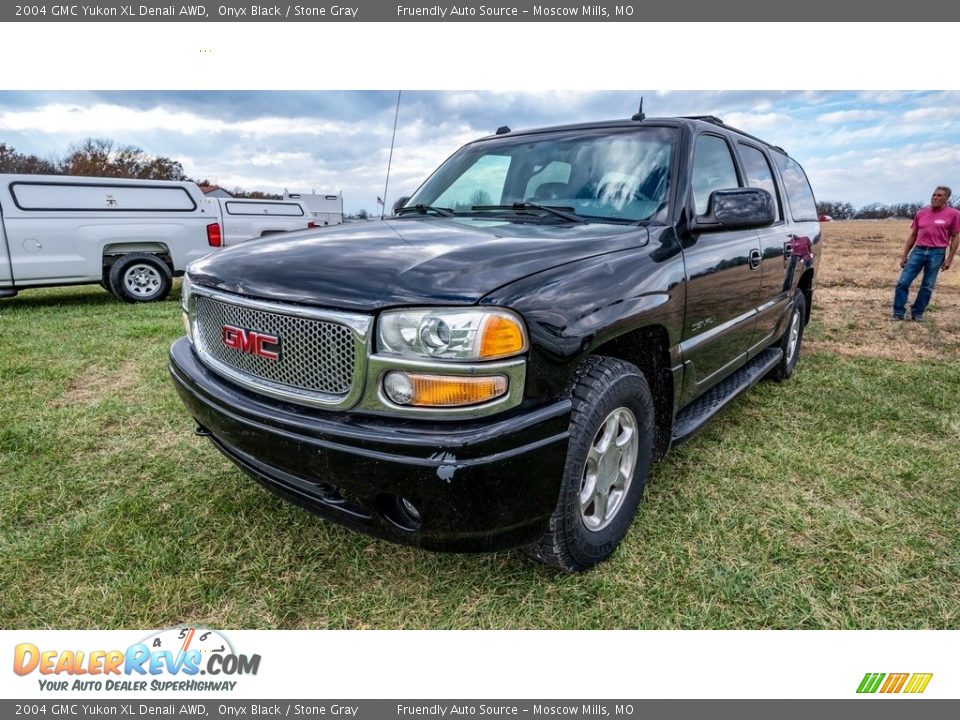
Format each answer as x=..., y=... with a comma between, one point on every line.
x=251, y=341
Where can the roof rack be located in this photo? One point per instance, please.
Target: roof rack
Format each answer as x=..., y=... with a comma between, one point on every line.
x=706, y=118
x=713, y=119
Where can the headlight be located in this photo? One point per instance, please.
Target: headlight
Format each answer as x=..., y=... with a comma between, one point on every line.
x=451, y=333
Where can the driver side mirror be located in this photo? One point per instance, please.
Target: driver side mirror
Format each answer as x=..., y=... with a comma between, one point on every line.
x=400, y=203
x=737, y=209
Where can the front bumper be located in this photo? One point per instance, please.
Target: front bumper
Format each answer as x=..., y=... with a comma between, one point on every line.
x=479, y=485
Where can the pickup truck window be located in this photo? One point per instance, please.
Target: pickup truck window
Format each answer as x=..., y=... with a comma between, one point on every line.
x=759, y=174
x=598, y=175
x=69, y=196
x=713, y=169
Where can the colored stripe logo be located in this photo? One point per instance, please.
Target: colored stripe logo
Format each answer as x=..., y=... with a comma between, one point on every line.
x=913, y=683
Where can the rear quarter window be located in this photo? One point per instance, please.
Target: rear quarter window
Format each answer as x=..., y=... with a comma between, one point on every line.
x=799, y=195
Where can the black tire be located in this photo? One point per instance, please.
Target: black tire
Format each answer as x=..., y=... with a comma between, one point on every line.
x=140, y=278
x=105, y=280
x=581, y=535
x=790, y=348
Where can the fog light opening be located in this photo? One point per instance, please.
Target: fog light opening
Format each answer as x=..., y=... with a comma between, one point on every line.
x=410, y=510
x=398, y=387
x=401, y=512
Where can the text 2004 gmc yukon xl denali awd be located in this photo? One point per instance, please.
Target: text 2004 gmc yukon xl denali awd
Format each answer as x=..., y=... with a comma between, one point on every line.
x=499, y=362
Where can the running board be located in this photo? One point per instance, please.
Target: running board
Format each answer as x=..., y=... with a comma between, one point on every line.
x=8, y=292
x=695, y=415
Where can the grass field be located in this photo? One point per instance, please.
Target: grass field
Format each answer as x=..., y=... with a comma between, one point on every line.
x=831, y=501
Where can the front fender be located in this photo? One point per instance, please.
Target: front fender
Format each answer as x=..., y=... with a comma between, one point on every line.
x=573, y=309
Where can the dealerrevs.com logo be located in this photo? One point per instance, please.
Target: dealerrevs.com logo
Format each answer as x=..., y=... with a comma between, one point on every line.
x=910, y=683
x=171, y=659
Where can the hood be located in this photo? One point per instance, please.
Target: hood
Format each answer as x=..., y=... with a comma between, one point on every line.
x=410, y=261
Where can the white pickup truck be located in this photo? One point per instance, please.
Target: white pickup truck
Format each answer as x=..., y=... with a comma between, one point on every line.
x=131, y=236
x=245, y=219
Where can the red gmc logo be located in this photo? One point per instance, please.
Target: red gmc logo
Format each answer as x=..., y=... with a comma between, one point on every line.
x=251, y=341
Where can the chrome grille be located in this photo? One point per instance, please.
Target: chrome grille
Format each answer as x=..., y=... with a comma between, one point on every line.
x=315, y=356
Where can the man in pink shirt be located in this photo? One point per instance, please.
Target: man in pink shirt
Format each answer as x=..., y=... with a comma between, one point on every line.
x=934, y=239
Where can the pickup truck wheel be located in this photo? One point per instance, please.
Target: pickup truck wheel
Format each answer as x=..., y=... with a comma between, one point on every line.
x=792, y=340
x=140, y=277
x=610, y=449
x=105, y=280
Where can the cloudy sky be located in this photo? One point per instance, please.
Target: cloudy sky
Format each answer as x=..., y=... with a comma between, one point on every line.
x=859, y=147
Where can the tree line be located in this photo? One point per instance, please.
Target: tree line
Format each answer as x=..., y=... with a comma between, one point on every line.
x=873, y=211
x=95, y=157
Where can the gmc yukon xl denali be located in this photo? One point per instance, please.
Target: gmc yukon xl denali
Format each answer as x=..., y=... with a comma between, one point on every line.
x=499, y=362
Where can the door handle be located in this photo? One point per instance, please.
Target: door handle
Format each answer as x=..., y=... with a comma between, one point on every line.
x=755, y=259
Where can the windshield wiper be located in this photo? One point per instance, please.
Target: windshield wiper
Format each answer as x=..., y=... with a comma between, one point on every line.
x=424, y=209
x=562, y=212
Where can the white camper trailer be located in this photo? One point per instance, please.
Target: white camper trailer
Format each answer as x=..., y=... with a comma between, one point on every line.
x=324, y=209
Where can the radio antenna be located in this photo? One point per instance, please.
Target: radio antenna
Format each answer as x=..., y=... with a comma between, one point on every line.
x=393, y=139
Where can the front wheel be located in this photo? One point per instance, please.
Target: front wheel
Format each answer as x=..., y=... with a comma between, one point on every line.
x=609, y=454
x=792, y=340
x=140, y=278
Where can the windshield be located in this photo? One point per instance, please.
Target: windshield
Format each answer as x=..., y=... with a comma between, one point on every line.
x=600, y=174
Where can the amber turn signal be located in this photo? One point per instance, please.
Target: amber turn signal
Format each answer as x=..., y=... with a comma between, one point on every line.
x=501, y=336
x=405, y=388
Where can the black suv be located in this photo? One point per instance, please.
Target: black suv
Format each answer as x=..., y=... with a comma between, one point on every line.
x=498, y=363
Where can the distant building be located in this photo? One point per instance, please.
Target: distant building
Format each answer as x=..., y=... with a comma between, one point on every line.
x=214, y=191
x=325, y=209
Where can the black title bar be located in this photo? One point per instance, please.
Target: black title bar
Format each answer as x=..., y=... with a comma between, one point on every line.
x=462, y=11
x=214, y=709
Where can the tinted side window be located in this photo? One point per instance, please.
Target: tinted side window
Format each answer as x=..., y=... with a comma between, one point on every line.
x=759, y=174
x=799, y=194
x=713, y=169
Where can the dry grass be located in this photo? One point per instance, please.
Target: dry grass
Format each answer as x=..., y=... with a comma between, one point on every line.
x=859, y=266
x=95, y=382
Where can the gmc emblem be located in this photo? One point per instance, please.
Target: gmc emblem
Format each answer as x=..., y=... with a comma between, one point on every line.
x=251, y=341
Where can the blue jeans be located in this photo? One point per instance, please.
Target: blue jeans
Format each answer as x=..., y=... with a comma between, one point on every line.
x=925, y=259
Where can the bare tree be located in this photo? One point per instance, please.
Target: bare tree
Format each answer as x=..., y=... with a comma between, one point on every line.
x=836, y=210
x=12, y=161
x=480, y=197
x=101, y=158
x=254, y=195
